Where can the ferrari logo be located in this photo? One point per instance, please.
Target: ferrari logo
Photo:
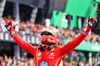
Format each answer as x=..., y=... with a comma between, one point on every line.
x=39, y=53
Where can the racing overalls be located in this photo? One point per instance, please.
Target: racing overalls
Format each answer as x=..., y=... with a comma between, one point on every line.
x=47, y=57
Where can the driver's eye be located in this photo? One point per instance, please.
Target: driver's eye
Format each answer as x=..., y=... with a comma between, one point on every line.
x=46, y=33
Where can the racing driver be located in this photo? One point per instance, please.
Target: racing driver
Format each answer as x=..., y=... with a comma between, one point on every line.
x=49, y=52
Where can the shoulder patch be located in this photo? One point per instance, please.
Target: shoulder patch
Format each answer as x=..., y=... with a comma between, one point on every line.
x=52, y=49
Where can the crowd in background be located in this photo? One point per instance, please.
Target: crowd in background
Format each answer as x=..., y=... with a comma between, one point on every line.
x=21, y=61
x=35, y=28
x=8, y=61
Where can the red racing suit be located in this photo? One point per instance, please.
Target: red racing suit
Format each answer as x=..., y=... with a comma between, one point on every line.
x=49, y=57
